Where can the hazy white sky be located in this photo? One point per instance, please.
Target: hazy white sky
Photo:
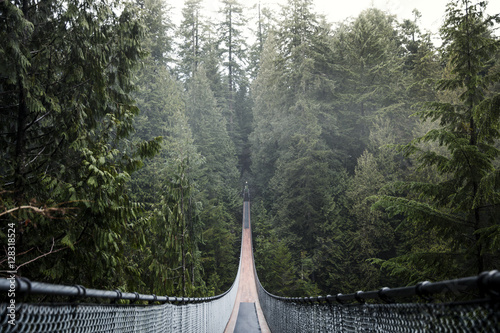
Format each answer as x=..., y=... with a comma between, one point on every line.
x=432, y=11
x=338, y=10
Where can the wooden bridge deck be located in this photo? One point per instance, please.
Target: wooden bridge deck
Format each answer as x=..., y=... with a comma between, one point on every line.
x=247, y=291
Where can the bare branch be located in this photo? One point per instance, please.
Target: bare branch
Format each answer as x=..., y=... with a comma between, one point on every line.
x=45, y=254
x=36, y=209
x=45, y=211
x=17, y=255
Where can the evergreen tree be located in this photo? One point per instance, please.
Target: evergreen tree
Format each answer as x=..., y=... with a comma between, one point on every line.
x=159, y=26
x=294, y=124
x=180, y=214
x=191, y=31
x=160, y=101
x=373, y=234
x=462, y=209
x=264, y=137
x=217, y=181
x=212, y=63
x=264, y=25
x=66, y=114
x=274, y=262
x=293, y=82
x=336, y=268
x=212, y=140
x=232, y=47
x=220, y=247
x=368, y=65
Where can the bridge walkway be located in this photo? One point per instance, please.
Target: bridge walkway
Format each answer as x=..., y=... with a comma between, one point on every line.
x=247, y=308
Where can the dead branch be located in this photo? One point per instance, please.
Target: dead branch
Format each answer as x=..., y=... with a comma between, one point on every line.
x=36, y=209
x=45, y=254
x=45, y=211
x=17, y=255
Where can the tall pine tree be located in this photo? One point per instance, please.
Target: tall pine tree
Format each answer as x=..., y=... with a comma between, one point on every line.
x=463, y=208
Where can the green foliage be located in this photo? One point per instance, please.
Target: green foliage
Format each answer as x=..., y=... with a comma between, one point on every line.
x=368, y=59
x=179, y=212
x=158, y=25
x=219, y=248
x=232, y=44
x=277, y=270
x=195, y=138
x=211, y=138
x=461, y=207
x=293, y=157
x=66, y=83
x=265, y=23
x=160, y=99
x=232, y=50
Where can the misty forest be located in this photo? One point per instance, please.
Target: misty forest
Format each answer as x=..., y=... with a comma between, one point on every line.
x=372, y=154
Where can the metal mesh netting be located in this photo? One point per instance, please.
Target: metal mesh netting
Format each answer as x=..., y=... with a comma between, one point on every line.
x=208, y=316
x=199, y=317
x=117, y=318
x=477, y=316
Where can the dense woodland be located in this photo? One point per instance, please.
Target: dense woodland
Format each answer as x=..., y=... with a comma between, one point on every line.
x=372, y=155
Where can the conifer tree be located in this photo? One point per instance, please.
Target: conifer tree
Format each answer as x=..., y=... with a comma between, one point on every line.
x=294, y=123
x=165, y=186
x=211, y=139
x=266, y=108
x=220, y=246
x=264, y=25
x=180, y=214
x=463, y=208
x=191, y=31
x=66, y=114
x=232, y=47
x=217, y=181
x=159, y=99
x=159, y=26
x=368, y=65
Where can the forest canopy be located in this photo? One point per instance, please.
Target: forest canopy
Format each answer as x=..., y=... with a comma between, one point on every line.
x=372, y=155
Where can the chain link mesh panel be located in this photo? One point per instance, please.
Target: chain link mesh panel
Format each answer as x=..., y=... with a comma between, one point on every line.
x=57, y=318
x=285, y=316
x=209, y=316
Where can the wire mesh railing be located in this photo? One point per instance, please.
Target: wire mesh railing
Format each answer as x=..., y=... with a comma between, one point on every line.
x=355, y=312
x=162, y=314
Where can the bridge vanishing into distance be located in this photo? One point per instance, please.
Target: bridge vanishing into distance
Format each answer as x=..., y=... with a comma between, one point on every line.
x=248, y=307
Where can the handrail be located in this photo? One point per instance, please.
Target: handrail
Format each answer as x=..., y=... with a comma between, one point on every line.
x=488, y=283
x=27, y=287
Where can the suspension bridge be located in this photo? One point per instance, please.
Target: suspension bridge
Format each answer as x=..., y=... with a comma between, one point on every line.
x=248, y=307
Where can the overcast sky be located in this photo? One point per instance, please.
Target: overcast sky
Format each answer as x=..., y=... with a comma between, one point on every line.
x=432, y=11
x=338, y=10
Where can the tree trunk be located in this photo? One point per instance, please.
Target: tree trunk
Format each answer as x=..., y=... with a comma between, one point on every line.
x=230, y=70
x=20, y=153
